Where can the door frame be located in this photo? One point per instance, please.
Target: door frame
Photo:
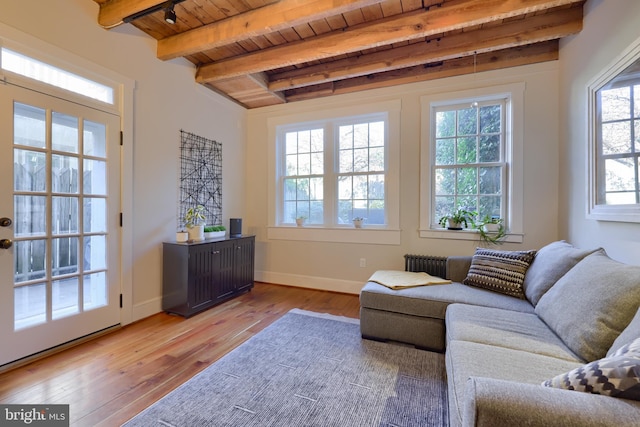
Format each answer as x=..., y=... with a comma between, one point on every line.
x=123, y=106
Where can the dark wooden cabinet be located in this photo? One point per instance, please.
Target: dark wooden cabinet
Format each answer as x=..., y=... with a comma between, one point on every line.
x=199, y=275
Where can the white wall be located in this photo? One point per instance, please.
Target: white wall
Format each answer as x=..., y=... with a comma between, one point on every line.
x=610, y=27
x=335, y=266
x=166, y=100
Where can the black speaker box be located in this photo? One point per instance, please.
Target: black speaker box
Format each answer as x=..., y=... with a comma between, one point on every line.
x=235, y=227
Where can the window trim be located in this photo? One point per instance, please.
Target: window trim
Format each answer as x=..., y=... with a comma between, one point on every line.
x=600, y=212
x=78, y=67
x=56, y=77
x=514, y=134
x=387, y=234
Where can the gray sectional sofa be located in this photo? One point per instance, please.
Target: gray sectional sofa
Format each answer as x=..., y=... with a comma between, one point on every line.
x=529, y=359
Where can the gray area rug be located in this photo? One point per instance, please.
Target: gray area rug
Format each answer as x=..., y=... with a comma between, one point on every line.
x=310, y=369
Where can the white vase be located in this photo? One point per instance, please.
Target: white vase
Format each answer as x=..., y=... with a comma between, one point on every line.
x=299, y=222
x=182, y=236
x=196, y=233
x=491, y=228
x=357, y=223
x=453, y=225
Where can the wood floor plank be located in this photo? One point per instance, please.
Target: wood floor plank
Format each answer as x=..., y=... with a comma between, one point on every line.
x=108, y=380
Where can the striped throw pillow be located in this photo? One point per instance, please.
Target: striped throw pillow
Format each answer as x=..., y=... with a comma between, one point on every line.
x=499, y=271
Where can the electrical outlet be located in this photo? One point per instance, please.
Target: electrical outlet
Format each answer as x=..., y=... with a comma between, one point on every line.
x=363, y=262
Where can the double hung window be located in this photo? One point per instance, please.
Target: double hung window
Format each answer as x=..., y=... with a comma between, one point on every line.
x=614, y=134
x=333, y=166
x=469, y=167
x=618, y=139
x=471, y=159
x=334, y=171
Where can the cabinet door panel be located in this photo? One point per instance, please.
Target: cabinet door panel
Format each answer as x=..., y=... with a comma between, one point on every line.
x=244, y=255
x=225, y=285
x=201, y=275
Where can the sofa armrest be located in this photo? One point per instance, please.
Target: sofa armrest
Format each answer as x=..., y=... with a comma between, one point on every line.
x=495, y=403
x=458, y=267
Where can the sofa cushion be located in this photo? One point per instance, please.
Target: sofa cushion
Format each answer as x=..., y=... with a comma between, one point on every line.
x=591, y=304
x=432, y=301
x=630, y=333
x=616, y=376
x=504, y=328
x=499, y=271
x=550, y=264
x=466, y=359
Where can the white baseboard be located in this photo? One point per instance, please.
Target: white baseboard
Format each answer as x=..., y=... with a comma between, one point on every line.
x=154, y=305
x=147, y=308
x=310, y=282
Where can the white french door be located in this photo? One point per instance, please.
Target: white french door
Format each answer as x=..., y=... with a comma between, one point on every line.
x=59, y=221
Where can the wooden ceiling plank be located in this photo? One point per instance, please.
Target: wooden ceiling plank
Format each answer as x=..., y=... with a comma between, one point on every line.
x=533, y=30
x=372, y=13
x=448, y=17
x=199, y=11
x=526, y=55
x=273, y=17
x=390, y=8
x=337, y=22
x=408, y=5
x=320, y=26
x=354, y=17
x=304, y=31
x=290, y=35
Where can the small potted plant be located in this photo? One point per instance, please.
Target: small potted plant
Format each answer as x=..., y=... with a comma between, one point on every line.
x=194, y=220
x=357, y=222
x=491, y=229
x=214, y=231
x=456, y=220
x=300, y=220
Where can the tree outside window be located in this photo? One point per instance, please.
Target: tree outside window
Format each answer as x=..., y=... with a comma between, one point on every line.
x=468, y=166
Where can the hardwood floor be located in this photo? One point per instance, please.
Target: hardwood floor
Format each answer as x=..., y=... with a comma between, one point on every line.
x=110, y=379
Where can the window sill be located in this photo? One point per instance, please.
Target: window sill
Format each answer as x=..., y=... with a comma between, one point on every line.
x=365, y=235
x=617, y=213
x=465, y=235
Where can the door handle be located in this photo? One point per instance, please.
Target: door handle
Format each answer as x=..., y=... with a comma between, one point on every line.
x=5, y=243
x=5, y=222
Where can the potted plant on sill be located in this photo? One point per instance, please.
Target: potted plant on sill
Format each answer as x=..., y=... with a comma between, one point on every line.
x=214, y=231
x=300, y=220
x=456, y=220
x=357, y=222
x=194, y=219
x=491, y=230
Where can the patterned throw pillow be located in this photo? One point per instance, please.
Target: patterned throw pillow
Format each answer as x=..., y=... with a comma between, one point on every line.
x=499, y=271
x=615, y=376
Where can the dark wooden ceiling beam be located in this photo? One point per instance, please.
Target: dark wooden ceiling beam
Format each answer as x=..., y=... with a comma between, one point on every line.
x=257, y=22
x=452, y=15
x=536, y=29
x=513, y=57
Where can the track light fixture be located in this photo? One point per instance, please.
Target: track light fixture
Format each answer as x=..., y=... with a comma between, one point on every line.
x=170, y=15
x=167, y=6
